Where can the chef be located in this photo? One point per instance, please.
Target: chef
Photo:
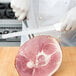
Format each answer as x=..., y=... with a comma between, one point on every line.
x=46, y=13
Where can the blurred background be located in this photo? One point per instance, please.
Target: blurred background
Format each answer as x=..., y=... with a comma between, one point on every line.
x=8, y=24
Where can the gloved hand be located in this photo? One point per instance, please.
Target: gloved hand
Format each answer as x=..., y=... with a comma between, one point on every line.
x=20, y=7
x=69, y=22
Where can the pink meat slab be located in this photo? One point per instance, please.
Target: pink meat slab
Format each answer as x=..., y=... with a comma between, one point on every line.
x=39, y=56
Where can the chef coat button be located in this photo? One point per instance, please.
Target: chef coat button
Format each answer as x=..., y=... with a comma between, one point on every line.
x=40, y=18
x=66, y=2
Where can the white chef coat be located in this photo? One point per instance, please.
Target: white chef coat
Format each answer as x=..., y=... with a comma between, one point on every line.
x=5, y=1
x=47, y=13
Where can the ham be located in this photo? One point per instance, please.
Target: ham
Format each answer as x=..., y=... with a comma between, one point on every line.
x=39, y=56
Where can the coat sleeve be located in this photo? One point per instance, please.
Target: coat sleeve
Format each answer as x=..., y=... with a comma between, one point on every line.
x=72, y=4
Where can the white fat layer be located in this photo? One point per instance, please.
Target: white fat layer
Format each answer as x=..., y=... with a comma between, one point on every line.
x=47, y=57
x=30, y=64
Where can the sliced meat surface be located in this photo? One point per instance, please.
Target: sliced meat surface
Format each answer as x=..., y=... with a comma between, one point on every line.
x=40, y=56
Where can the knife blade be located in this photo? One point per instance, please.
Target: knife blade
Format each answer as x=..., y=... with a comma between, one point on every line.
x=34, y=31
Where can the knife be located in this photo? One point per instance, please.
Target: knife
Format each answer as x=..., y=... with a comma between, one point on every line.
x=34, y=31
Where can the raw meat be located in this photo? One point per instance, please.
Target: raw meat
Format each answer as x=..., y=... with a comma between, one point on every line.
x=40, y=56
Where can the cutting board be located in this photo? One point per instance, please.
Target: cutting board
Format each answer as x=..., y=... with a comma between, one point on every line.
x=7, y=57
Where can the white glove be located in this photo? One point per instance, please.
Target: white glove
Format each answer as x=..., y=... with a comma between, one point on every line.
x=20, y=7
x=69, y=22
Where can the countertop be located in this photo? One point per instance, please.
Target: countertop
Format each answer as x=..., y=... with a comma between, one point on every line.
x=7, y=57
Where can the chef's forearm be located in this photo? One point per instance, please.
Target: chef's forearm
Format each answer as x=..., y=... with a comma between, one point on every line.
x=73, y=9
